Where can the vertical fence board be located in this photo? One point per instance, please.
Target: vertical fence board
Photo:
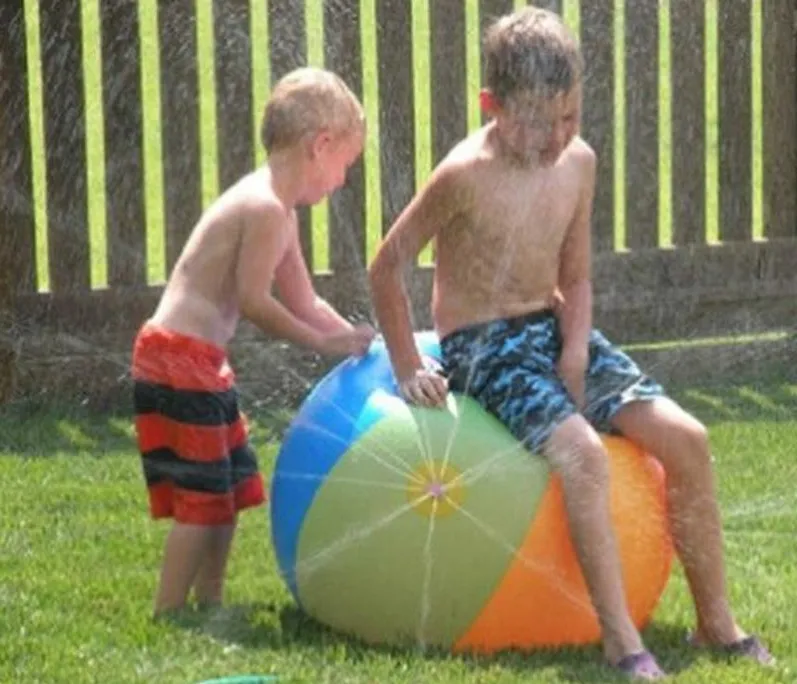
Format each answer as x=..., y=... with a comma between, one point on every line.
x=124, y=143
x=17, y=227
x=17, y=258
x=65, y=143
x=396, y=107
x=688, y=79
x=449, y=75
x=641, y=124
x=182, y=165
x=288, y=50
x=552, y=5
x=489, y=11
x=233, y=62
x=780, y=118
x=343, y=55
x=597, y=44
x=735, y=121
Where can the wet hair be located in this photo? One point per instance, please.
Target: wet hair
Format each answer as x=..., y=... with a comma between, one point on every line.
x=306, y=101
x=531, y=51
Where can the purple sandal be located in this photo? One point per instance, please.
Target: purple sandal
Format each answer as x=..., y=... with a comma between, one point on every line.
x=640, y=666
x=750, y=647
x=747, y=647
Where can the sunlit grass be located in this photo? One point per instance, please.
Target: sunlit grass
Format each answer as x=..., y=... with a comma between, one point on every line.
x=80, y=562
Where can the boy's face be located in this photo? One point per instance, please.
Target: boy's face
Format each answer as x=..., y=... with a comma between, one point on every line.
x=333, y=156
x=536, y=129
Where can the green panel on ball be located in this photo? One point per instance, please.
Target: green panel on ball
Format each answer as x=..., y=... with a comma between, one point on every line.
x=413, y=529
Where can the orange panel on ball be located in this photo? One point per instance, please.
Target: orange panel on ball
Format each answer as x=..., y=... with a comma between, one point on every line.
x=542, y=599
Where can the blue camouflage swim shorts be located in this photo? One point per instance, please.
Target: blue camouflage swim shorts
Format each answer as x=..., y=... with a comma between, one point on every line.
x=509, y=367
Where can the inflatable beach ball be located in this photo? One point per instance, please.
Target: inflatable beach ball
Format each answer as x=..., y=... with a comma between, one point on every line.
x=402, y=525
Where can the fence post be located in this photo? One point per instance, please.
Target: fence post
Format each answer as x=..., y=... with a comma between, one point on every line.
x=288, y=51
x=179, y=120
x=780, y=117
x=17, y=267
x=597, y=22
x=734, y=37
x=124, y=144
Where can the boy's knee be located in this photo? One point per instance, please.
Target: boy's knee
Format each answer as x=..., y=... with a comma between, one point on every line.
x=688, y=451
x=691, y=438
x=578, y=454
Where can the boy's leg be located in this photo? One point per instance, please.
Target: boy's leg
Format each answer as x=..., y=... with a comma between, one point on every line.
x=577, y=454
x=510, y=370
x=186, y=547
x=680, y=442
x=209, y=582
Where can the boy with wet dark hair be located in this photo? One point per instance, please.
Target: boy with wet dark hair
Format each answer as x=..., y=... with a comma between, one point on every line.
x=509, y=210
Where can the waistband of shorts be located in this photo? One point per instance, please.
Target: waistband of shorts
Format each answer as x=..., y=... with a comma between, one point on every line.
x=512, y=323
x=152, y=335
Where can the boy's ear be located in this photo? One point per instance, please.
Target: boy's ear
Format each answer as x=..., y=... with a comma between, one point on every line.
x=488, y=102
x=319, y=142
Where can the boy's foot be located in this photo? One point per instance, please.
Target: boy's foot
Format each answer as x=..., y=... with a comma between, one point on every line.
x=641, y=666
x=747, y=647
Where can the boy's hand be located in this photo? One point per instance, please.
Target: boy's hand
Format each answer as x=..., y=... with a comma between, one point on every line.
x=424, y=388
x=354, y=342
x=573, y=370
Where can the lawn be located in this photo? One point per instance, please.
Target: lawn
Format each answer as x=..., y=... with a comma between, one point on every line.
x=80, y=559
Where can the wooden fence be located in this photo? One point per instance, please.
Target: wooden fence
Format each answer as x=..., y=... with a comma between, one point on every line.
x=72, y=337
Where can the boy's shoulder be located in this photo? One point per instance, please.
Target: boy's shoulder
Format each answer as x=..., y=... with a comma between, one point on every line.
x=252, y=195
x=580, y=152
x=462, y=160
x=469, y=151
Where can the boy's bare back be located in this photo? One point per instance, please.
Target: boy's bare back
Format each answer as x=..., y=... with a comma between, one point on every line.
x=202, y=296
x=247, y=244
x=499, y=254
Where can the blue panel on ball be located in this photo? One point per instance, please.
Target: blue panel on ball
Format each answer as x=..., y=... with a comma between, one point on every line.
x=328, y=422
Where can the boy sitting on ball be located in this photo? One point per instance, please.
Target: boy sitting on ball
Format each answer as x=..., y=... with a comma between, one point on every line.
x=509, y=210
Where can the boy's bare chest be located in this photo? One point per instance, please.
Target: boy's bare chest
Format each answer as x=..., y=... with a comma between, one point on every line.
x=518, y=218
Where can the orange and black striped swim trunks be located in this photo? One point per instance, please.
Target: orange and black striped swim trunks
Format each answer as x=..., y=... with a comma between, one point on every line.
x=198, y=465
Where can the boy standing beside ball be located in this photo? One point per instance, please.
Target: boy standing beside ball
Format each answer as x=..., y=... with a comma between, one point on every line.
x=198, y=465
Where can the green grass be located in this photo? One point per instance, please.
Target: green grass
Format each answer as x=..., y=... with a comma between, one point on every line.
x=155, y=250
x=80, y=558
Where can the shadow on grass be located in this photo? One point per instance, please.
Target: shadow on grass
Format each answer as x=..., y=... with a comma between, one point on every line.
x=266, y=626
x=48, y=429
x=44, y=429
x=770, y=401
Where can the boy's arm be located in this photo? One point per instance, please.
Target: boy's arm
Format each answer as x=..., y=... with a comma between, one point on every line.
x=431, y=209
x=261, y=248
x=575, y=317
x=295, y=288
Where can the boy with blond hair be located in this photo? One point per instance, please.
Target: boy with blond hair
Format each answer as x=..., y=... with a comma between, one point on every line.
x=509, y=211
x=197, y=462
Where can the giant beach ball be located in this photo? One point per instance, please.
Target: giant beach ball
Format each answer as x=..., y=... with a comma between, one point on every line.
x=401, y=525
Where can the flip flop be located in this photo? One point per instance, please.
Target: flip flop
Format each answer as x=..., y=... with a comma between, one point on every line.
x=641, y=666
x=747, y=647
x=750, y=647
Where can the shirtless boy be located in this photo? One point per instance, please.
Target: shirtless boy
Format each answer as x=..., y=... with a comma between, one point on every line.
x=198, y=466
x=509, y=211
